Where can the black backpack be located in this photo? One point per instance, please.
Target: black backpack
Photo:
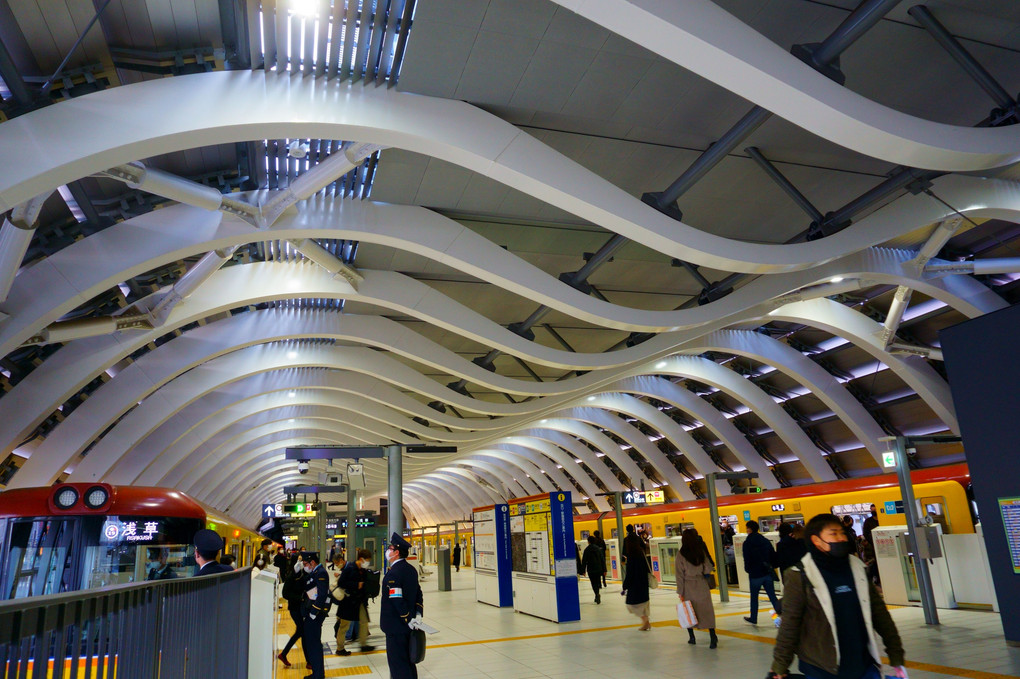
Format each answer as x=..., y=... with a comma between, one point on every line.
x=371, y=584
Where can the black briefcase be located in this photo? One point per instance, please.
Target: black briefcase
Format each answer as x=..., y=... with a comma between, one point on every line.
x=417, y=648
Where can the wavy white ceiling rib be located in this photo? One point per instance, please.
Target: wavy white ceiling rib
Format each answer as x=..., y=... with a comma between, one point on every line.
x=705, y=39
x=239, y=106
x=196, y=401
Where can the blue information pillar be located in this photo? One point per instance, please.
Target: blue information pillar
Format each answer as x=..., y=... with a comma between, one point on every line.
x=544, y=557
x=984, y=375
x=492, y=563
x=568, y=602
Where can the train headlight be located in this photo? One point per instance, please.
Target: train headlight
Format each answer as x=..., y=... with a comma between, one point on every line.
x=96, y=497
x=65, y=498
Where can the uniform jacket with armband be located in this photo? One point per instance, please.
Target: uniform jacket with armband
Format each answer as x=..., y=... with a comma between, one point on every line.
x=402, y=600
x=809, y=620
x=316, y=603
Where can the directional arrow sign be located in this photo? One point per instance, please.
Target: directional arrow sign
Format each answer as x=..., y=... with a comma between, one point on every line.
x=269, y=511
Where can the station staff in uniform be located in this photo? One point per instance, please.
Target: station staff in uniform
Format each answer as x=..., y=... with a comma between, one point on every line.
x=207, y=546
x=402, y=602
x=314, y=608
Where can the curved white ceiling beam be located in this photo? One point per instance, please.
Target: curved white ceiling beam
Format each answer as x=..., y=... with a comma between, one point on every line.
x=493, y=496
x=79, y=272
x=222, y=464
x=507, y=488
x=501, y=383
x=575, y=449
x=808, y=374
x=416, y=512
x=502, y=467
x=471, y=483
x=528, y=470
x=864, y=332
x=275, y=464
x=239, y=106
x=464, y=499
x=608, y=447
x=566, y=462
x=664, y=390
x=762, y=404
x=169, y=452
x=210, y=376
x=639, y=441
x=665, y=425
x=444, y=507
x=704, y=38
x=558, y=478
x=178, y=471
x=365, y=427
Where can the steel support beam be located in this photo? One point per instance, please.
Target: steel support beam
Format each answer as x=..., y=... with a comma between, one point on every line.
x=785, y=184
x=899, y=443
x=395, y=485
x=964, y=58
x=713, y=513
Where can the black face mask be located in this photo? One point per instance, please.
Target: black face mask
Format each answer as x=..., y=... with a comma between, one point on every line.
x=839, y=550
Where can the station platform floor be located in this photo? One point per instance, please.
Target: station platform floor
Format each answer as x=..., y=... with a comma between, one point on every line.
x=478, y=640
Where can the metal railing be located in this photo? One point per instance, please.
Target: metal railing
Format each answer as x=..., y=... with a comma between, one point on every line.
x=172, y=629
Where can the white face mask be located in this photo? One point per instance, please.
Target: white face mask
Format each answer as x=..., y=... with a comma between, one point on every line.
x=308, y=569
x=366, y=564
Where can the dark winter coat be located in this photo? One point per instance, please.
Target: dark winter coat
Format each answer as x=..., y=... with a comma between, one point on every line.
x=350, y=577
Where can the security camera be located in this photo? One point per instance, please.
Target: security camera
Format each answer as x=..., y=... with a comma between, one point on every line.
x=297, y=149
x=302, y=466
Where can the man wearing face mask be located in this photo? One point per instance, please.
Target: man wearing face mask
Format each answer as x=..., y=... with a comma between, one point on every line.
x=354, y=607
x=159, y=569
x=402, y=602
x=832, y=611
x=314, y=609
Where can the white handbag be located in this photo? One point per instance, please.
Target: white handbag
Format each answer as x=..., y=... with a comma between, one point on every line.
x=685, y=615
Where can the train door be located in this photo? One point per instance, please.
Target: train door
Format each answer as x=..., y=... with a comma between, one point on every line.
x=39, y=557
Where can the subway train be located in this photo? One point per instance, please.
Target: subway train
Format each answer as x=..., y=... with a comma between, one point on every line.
x=943, y=493
x=74, y=536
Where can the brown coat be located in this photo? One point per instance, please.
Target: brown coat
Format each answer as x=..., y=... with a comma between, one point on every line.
x=692, y=586
x=808, y=618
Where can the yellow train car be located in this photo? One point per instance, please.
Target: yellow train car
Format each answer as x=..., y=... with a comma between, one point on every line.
x=941, y=491
x=242, y=542
x=425, y=545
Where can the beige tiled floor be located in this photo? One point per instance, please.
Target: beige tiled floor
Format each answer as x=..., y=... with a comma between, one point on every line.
x=477, y=640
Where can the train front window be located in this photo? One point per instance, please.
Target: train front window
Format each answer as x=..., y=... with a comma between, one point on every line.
x=39, y=557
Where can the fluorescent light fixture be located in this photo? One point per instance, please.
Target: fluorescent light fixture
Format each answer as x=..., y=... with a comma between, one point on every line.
x=591, y=398
x=291, y=394
x=291, y=420
x=660, y=365
x=543, y=421
x=292, y=355
x=836, y=279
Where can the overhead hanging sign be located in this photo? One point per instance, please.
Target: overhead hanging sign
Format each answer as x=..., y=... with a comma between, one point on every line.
x=644, y=497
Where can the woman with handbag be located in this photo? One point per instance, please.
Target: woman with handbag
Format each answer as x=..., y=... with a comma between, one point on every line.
x=637, y=580
x=694, y=581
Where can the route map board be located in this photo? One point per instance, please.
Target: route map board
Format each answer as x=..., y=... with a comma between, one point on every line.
x=1010, y=508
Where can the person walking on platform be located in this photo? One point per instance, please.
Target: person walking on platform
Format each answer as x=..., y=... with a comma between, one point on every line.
x=759, y=564
x=456, y=557
x=207, y=546
x=314, y=607
x=791, y=549
x=693, y=566
x=635, y=583
x=402, y=602
x=601, y=544
x=594, y=565
x=832, y=612
x=293, y=592
x=354, y=607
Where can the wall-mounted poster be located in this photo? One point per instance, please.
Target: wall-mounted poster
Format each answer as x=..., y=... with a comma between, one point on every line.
x=1010, y=508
